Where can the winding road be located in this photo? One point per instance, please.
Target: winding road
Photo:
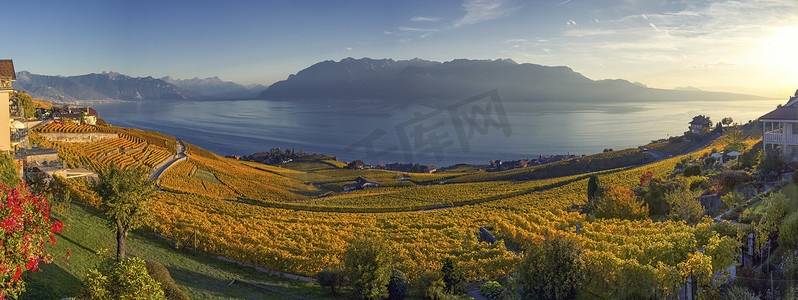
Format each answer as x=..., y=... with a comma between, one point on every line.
x=160, y=168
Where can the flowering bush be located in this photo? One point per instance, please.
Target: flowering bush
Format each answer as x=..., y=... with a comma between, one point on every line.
x=25, y=230
x=127, y=279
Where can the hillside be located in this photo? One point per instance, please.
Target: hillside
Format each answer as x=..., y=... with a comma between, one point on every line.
x=417, y=80
x=104, y=86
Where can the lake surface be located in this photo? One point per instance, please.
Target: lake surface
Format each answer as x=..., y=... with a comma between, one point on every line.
x=462, y=132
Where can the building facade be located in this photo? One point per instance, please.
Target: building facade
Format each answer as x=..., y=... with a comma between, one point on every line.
x=780, y=130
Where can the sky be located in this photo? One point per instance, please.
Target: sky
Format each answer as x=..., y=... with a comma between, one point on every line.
x=736, y=46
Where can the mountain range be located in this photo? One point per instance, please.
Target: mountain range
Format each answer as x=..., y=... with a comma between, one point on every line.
x=421, y=80
x=115, y=86
x=375, y=80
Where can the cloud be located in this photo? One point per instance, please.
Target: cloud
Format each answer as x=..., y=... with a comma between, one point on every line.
x=597, y=21
x=653, y=26
x=424, y=19
x=404, y=28
x=563, y=3
x=348, y=48
x=570, y=22
x=387, y=32
x=483, y=10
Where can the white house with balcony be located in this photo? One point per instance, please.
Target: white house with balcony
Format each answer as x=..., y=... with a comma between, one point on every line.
x=780, y=130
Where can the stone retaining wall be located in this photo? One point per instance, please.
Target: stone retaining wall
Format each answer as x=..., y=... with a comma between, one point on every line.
x=78, y=137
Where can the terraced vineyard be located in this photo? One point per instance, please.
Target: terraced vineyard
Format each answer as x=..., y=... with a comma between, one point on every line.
x=295, y=218
x=130, y=148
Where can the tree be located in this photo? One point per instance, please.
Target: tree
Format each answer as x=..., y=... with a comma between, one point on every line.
x=452, y=276
x=127, y=279
x=735, y=143
x=8, y=170
x=621, y=203
x=331, y=278
x=551, y=269
x=25, y=229
x=684, y=206
x=125, y=195
x=726, y=121
x=367, y=265
x=25, y=103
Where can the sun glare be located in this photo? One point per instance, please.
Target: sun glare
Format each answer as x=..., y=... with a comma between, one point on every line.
x=780, y=50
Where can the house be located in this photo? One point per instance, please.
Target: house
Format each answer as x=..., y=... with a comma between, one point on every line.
x=700, y=125
x=7, y=75
x=361, y=183
x=780, y=130
x=42, y=161
x=87, y=114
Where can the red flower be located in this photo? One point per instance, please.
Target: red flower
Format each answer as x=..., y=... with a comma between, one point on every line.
x=69, y=252
x=17, y=274
x=58, y=226
x=52, y=240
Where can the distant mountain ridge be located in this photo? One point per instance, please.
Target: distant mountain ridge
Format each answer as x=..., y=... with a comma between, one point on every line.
x=423, y=80
x=103, y=86
x=215, y=88
x=115, y=86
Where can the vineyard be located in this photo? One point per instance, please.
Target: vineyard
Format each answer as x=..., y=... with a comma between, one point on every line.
x=131, y=148
x=295, y=218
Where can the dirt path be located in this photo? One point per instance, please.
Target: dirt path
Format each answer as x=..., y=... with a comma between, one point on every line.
x=160, y=168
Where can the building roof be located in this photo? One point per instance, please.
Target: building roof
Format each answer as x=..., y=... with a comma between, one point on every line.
x=700, y=120
x=39, y=151
x=782, y=113
x=7, y=69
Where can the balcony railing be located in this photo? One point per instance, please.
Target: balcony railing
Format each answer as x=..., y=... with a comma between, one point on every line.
x=777, y=138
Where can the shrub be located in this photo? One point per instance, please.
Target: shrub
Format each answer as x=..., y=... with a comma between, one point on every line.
x=397, y=286
x=158, y=272
x=491, y=289
x=740, y=293
x=330, y=278
x=127, y=279
x=789, y=265
x=452, y=276
x=367, y=266
x=621, y=203
x=692, y=170
x=551, y=269
x=788, y=231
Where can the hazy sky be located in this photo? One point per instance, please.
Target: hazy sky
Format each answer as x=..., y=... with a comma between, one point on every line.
x=739, y=46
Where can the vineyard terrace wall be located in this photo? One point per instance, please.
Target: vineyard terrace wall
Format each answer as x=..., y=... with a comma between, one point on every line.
x=78, y=137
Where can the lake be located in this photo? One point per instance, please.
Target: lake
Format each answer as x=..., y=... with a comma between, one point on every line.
x=462, y=132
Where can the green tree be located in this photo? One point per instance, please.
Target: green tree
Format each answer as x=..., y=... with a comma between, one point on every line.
x=8, y=170
x=25, y=103
x=367, y=265
x=735, y=141
x=452, y=276
x=788, y=231
x=125, y=195
x=551, y=269
x=127, y=279
x=330, y=278
x=684, y=205
x=726, y=121
x=768, y=226
x=723, y=251
x=621, y=203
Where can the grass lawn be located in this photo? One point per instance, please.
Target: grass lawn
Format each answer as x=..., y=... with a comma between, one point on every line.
x=200, y=275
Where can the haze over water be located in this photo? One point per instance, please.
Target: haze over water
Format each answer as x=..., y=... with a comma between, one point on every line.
x=246, y=126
